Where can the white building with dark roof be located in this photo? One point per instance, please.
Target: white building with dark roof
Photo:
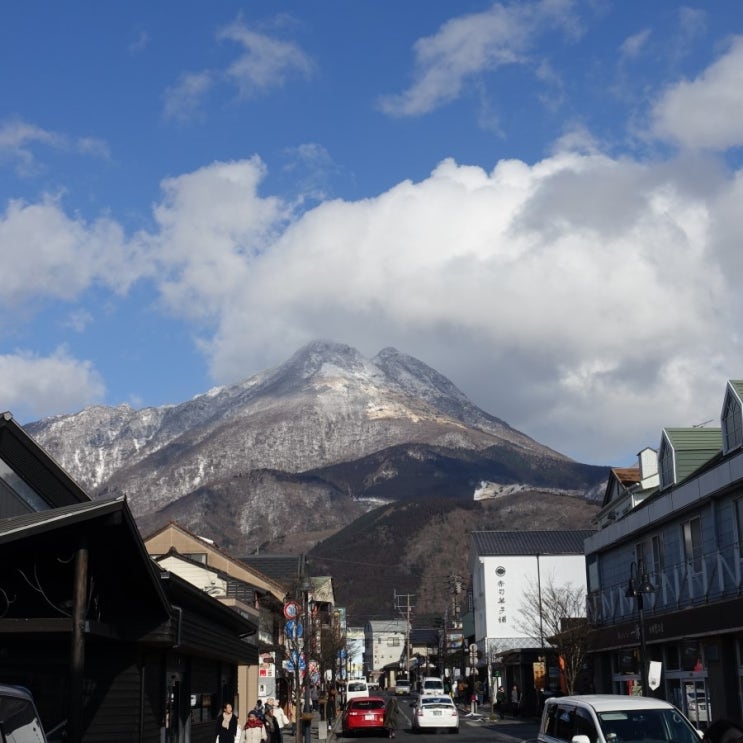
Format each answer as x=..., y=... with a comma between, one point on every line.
x=506, y=564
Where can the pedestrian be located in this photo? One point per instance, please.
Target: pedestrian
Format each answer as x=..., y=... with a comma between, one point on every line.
x=723, y=731
x=254, y=730
x=332, y=694
x=273, y=729
x=313, y=697
x=281, y=717
x=227, y=727
x=390, y=716
x=500, y=702
x=259, y=711
x=515, y=700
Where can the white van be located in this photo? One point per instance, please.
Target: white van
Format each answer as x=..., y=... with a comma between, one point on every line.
x=432, y=685
x=613, y=718
x=356, y=688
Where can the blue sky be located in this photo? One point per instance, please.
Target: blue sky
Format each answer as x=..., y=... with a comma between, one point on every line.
x=541, y=200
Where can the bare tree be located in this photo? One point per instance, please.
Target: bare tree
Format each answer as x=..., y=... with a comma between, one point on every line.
x=555, y=615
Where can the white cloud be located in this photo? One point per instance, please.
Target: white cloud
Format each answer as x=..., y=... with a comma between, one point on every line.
x=707, y=112
x=634, y=45
x=470, y=45
x=183, y=100
x=47, y=254
x=19, y=138
x=32, y=385
x=266, y=62
x=585, y=299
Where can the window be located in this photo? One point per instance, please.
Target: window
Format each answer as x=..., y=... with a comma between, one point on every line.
x=393, y=642
x=584, y=724
x=693, y=543
x=732, y=424
x=739, y=520
x=658, y=562
x=640, y=552
x=666, y=463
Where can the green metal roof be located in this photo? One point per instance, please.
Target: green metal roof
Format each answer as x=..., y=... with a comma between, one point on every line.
x=692, y=448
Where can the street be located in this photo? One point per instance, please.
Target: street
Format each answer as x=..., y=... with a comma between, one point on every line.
x=472, y=728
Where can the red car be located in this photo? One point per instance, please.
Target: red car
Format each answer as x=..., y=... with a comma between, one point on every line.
x=363, y=713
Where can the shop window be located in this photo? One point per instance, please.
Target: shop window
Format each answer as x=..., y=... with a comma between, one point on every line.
x=692, y=530
x=201, y=708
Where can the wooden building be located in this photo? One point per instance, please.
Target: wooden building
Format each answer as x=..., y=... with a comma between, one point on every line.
x=112, y=647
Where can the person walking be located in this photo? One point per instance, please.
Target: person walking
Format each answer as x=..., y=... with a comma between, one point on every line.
x=390, y=717
x=254, y=730
x=273, y=728
x=500, y=702
x=227, y=727
x=515, y=700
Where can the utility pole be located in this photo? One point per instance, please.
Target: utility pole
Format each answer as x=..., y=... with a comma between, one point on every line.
x=404, y=606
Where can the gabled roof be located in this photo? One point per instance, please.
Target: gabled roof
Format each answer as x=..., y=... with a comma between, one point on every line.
x=692, y=448
x=108, y=531
x=29, y=460
x=162, y=540
x=283, y=568
x=619, y=480
x=497, y=543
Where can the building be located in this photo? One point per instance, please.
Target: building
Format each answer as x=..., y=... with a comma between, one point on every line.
x=245, y=590
x=506, y=567
x=112, y=647
x=385, y=650
x=665, y=578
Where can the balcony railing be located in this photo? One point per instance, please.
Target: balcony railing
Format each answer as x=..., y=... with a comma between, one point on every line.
x=714, y=576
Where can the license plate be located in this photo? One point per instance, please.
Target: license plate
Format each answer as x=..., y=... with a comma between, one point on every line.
x=437, y=712
x=369, y=717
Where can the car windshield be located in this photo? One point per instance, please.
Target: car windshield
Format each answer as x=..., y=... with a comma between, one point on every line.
x=661, y=725
x=357, y=687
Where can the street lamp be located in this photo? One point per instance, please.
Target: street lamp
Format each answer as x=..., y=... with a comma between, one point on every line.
x=305, y=588
x=639, y=584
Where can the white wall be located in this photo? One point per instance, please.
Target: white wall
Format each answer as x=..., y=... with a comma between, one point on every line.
x=500, y=582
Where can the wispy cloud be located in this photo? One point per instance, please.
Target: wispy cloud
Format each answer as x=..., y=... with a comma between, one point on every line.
x=183, y=100
x=266, y=62
x=471, y=45
x=19, y=139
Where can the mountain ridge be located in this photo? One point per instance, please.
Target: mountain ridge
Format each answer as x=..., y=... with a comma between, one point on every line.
x=301, y=451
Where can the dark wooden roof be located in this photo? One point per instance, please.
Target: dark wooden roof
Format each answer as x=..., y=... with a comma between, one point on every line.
x=282, y=568
x=495, y=543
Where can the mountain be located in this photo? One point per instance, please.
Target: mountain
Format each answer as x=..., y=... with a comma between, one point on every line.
x=291, y=456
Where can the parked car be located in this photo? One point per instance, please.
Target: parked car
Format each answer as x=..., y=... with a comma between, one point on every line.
x=434, y=712
x=696, y=706
x=613, y=718
x=432, y=685
x=19, y=720
x=356, y=688
x=363, y=714
x=402, y=686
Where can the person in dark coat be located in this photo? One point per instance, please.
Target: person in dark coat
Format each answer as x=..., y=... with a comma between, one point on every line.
x=226, y=725
x=272, y=725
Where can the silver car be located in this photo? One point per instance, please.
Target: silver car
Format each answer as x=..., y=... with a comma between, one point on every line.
x=19, y=720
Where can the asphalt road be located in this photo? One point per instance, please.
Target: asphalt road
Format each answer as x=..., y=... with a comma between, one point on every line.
x=472, y=728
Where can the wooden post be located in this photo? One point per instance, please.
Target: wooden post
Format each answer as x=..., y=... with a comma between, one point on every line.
x=77, y=655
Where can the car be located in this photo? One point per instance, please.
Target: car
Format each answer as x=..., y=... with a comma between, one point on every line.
x=402, y=686
x=432, y=685
x=613, y=718
x=19, y=720
x=356, y=688
x=433, y=712
x=696, y=706
x=363, y=714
